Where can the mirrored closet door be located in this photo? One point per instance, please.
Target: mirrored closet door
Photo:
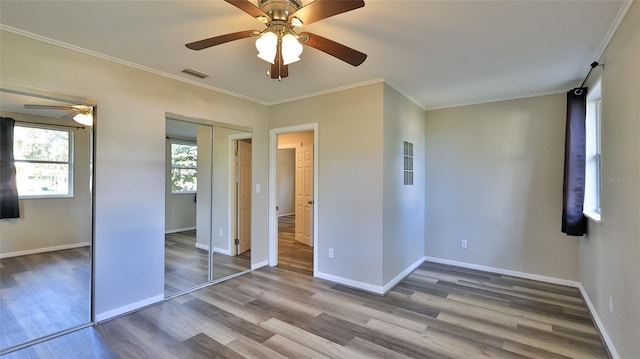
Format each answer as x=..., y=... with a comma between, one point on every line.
x=207, y=203
x=46, y=231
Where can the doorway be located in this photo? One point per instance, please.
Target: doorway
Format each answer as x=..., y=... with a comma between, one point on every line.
x=293, y=216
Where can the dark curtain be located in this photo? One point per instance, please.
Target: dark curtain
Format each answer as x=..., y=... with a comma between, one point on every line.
x=9, y=207
x=573, y=220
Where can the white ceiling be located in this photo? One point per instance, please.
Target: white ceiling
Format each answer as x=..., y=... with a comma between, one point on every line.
x=438, y=53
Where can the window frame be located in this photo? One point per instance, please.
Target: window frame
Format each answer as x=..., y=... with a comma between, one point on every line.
x=593, y=155
x=70, y=187
x=173, y=141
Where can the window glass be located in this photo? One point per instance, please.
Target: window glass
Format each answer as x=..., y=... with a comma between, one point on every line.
x=42, y=160
x=184, y=168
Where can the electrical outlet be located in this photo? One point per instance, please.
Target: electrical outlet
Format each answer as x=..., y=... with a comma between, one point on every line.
x=330, y=252
x=610, y=304
x=463, y=244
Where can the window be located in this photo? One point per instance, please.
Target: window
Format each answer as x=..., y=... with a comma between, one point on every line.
x=43, y=159
x=184, y=167
x=593, y=166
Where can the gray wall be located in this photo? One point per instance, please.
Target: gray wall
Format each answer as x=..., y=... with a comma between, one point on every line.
x=494, y=178
x=52, y=223
x=285, y=187
x=404, y=206
x=610, y=253
x=349, y=203
x=130, y=151
x=286, y=181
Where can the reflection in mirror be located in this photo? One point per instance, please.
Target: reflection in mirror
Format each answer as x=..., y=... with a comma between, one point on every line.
x=208, y=203
x=187, y=205
x=45, y=247
x=231, y=202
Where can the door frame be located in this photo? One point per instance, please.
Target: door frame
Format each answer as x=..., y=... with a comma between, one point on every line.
x=232, y=223
x=273, y=214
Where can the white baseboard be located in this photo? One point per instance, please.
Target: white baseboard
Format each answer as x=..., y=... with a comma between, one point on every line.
x=221, y=251
x=259, y=265
x=178, y=230
x=607, y=340
x=44, y=250
x=375, y=289
x=402, y=275
x=367, y=287
x=541, y=278
x=202, y=246
x=110, y=314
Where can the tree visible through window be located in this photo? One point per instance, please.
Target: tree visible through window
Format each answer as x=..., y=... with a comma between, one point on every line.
x=184, y=167
x=42, y=159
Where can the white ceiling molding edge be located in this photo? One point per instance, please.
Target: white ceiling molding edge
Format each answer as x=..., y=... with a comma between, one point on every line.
x=607, y=38
x=325, y=92
x=122, y=62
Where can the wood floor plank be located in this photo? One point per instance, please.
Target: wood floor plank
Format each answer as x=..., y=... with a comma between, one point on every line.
x=292, y=349
x=436, y=312
x=516, y=336
x=310, y=341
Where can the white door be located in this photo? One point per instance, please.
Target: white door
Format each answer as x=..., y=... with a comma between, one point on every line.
x=304, y=194
x=244, y=196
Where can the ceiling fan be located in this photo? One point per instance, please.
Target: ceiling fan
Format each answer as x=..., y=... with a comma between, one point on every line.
x=79, y=113
x=279, y=44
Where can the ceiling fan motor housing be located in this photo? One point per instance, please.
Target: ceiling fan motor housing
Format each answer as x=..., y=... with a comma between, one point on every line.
x=280, y=9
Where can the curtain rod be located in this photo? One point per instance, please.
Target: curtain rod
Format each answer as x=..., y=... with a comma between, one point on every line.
x=578, y=90
x=48, y=124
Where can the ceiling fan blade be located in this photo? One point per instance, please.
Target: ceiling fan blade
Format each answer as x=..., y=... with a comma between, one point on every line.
x=217, y=40
x=322, y=9
x=49, y=107
x=248, y=7
x=342, y=52
x=278, y=69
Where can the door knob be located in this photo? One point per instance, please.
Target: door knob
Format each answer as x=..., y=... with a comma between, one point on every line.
x=310, y=202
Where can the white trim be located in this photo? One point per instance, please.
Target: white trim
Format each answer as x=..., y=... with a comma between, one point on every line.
x=231, y=170
x=541, y=278
x=273, y=218
x=178, y=230
x=367, y=287
x=402, y=275
x=101, y=317
x=498, y=99
x=597, y=53
x=221, y=251
x=44, y=250
x=594, y=217
x=259, y=265
x=124, y=62
x=285, y=214
x=375, y=289
x=594, y=314
x=329, y=91
x=202, y=246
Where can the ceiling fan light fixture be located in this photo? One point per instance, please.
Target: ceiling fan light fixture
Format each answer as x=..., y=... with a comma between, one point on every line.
x=291, y=49
x=84, y=118
x=267, y=46
x=295, y=21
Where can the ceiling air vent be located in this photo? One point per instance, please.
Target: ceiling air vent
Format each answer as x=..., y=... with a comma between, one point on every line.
x=195, y=73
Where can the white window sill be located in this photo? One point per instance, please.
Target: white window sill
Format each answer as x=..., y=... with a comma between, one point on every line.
x=593, y=216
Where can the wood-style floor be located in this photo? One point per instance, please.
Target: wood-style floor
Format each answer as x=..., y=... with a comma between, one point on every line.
x=438, y=311
x=187, y=266
x=293, y=255
x=42, y=294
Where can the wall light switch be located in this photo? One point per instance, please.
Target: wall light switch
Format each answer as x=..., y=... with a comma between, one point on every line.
x=258, y=188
